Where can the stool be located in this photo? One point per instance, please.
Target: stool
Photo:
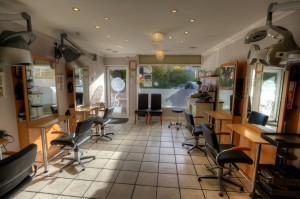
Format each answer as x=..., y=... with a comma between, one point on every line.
x=177, y=124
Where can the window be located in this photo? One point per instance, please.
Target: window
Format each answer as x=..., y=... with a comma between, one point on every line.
x=174, y=82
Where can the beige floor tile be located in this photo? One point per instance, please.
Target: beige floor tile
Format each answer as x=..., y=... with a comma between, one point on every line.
x=192, y=194
x=151, y=149
x=199, y=160
x=183, y=159
x=181, y=151
x=209, y=184
x=144, y=192
x=147, y=179
x=123, y=190
x=38, y=183
x=231, y=187
x=166, y=139
x=186, y=169
x=135, y=156
x=167, y=193
x=105, y=154
x=166, y=144
x=201, y=170
x=44, y=196
x=142, y=138
x=114, y=164
x=154, y=138
x=167, y=168
x=88, y=174
x=77, y=188
x=148, y=157
x=246, y=184
x=127, y=177
x=97, y=163
x=124, y=148
x=131, y=166
x=166, y=151
x=24, y=195
x=189, y=181
x=214, y=194
x=107, y=175
x=167, y=180
x=71, y=171
x=138, y=149
x=153, y=143
x=110, y=147
x=167, y=158
x=140, y=143
x=98, y=190
x=56, y=186
x=149, y=167
x=118, y=155
x=67, y=197
x=127, y=142
x=238, y=195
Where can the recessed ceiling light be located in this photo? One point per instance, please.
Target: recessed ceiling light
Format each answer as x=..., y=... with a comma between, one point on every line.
x=106, y=18
x=173, y=10
x=75, y=9
x=181, y=41
x=126, y=40
x=192, y=20
x=186, y=32
x=170, y=37
x=97, y=26
x=108, y=36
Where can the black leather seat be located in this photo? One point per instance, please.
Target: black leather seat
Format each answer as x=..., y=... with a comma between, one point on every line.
x=225, y=156
x=143, y=105
x=74, y=140
x=258, y=118
x=102, y=122
x=155, y=109
x=16, y=171
x=195, y=130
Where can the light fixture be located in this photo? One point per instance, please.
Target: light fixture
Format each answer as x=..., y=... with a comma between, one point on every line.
x=14, y=49
x=181, y=41
x=186, y=32
x=173, y=10
x=97, y=26
x=126, y=40
x=192, y=20
x=170, y=37
x=157, y=39
x=72, y=54
x=75, y=9
x=160, y=54
x=108, y=36
x=106, y=18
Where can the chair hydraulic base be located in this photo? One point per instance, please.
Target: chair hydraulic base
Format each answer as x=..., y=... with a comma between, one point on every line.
x=220, y=176
x=77, y=158
x=102, y=134
x=196, y=145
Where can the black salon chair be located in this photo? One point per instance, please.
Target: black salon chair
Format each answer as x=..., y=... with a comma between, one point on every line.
x=143, y=106
x=224, y=156
x=74, y=140
x=155, y=109
x=258, y=118
x=196, y=132
x=17, y=170
x=101, y=122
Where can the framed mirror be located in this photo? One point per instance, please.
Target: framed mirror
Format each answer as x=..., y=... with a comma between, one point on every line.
x=81, y=86
x=227, y=87
x=265, y=92
x=41, y=88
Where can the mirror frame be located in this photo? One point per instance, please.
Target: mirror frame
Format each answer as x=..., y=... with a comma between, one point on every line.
x=235, y=64
x=26, y=92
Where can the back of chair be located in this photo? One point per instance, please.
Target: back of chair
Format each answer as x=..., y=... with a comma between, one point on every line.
x=143, y=101
x=212, y=145
x=108, y=112
x=190, y=124
x=16, y=168
x=83, y=130
x=155, y=101
x=258, y=118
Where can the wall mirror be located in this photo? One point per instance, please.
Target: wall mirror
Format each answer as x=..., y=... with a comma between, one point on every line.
x=227, y=87
x=41, y=88
x=265, y=92
x=81, y=86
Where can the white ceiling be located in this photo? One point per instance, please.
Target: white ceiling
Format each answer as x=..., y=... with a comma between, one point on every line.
x=135, y=20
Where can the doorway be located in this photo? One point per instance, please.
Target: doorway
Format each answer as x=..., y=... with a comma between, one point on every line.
x=117, y=90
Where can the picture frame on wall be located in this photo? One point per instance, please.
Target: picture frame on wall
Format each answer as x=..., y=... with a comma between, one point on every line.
x=132, y=65
x=2, y=86
x=132, y=73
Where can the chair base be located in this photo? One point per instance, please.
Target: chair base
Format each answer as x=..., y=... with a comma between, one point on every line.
x=219, y=175
x=178, y=125
x=103, y=135
x=200, y=147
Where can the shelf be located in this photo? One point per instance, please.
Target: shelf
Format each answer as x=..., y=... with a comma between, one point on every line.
x=209, y=76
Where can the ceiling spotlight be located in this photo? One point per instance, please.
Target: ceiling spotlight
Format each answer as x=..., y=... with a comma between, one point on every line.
x=181, y=41
x=106, y=18
x=114, y=51
x=173, y=10
x=186, y=32
x=126, y=40
x=170, y=37
x=75, y=9
x=108, y=36
x=192, y=20
x=97, y=26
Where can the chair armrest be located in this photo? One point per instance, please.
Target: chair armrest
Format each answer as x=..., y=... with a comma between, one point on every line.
x=223, y=133
x=240, y=148
x=9, y=152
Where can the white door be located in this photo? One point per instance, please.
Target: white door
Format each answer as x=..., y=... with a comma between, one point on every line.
x=117, y=90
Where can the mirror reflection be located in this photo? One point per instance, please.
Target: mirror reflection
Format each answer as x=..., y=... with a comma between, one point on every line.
x=79, y=86
x=265, y=92
x=41, y=87
x=226, y=87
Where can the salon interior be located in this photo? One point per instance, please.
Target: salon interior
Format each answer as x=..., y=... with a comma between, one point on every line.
x=150, y=99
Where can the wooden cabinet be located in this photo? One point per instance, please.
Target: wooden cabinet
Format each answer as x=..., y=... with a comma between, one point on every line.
x=198, y=109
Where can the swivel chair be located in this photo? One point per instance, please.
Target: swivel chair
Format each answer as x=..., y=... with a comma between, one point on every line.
x=258, y=118
x=224, y=156
x=74, y=140
x=195, y=130
x=102, y=122
x=143, y=106
x=17, y=170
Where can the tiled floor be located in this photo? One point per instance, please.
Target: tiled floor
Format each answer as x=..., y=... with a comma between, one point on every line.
x=141, y=162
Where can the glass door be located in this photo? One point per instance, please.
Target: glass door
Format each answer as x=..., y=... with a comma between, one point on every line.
x=117, y=90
